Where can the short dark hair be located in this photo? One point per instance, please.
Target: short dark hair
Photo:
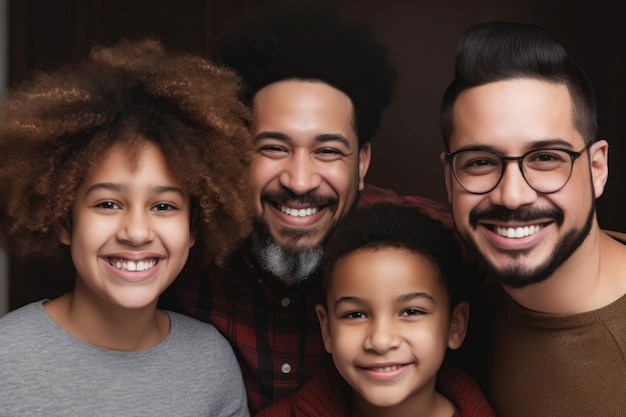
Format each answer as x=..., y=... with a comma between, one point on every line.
x=386, y=225
x=498, y=51
x=307, y=41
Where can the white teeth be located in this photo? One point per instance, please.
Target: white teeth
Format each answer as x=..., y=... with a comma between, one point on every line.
x=386, y=368
x=517, y=232
x=132, y=265
x=299, y=212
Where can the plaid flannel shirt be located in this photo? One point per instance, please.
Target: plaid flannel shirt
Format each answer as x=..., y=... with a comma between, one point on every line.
x=272, y=327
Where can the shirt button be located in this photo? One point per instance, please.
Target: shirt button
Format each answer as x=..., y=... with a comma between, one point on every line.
x=285, y=302
x=285, y=368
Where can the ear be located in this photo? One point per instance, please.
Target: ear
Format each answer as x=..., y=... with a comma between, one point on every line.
x=599, y=164
x=458, y=325
x=447, y=176
x=322, y=317
x=365, y=155
x=64, y=231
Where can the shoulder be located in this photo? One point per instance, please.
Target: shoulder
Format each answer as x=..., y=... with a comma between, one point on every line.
x=461, y=389
x=619, y=236
x=284, y=408
x=195, y=334
x=372, y=194
x=24, y=317
x=197, y=348
x=184, y=325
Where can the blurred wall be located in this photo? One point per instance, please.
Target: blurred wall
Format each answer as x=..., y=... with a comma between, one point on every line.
x=422, y=37
x=4, y=262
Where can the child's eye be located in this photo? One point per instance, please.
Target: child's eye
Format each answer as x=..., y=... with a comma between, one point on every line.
x=354, y=315
x=108, y=205
x=412, y=312
x=163, y=207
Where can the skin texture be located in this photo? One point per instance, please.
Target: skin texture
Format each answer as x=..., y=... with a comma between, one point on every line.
x=126, y=212
x=512, y=117
x=387, y=307
x=307, y=158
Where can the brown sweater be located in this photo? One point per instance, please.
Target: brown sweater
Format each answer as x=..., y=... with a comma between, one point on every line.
x=558, y=365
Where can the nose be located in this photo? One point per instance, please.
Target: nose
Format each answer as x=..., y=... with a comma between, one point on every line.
x=300, y=173
x=381, y=337
x=513, y=191
x=135, y=228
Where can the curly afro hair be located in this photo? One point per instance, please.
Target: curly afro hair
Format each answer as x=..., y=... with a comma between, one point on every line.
x=57, y=126
x=306, y=41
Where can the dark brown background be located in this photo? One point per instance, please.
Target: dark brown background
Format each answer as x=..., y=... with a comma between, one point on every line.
x=422, y=36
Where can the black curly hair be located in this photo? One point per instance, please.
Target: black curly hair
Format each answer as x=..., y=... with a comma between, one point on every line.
x=387, y=225
x=303, y=40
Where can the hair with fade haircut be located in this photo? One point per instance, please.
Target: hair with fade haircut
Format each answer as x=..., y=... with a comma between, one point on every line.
x=500, y=51
x=386, y=225
x=58, y=126
x=307, y=41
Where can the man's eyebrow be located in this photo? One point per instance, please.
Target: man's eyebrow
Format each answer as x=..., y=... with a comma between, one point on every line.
x=325, y=137
x=333, y=137
x=271, y=135
x=540, y=144
x=551, y=143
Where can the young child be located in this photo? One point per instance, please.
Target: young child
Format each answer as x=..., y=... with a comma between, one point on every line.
x=393, y=306
x=123, y=162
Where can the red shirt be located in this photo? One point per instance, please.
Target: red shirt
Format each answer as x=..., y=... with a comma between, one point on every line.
x=272, y=327
x=328, y=395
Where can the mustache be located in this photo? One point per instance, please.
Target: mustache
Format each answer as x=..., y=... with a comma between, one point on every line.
x=522, y=214
x=311, y=198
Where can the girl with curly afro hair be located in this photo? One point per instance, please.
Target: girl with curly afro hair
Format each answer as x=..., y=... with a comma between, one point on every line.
x=125, y=161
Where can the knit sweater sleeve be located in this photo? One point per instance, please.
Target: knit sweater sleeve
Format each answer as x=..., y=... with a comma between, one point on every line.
x=461, y=389
x=284, y=408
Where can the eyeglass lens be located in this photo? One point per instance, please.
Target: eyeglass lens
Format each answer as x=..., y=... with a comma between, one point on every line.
x=545, y=170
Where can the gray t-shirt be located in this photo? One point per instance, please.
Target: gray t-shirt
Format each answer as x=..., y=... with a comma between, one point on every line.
x=46, y=371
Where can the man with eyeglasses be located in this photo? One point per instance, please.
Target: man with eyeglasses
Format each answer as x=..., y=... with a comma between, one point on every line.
x=523, y=167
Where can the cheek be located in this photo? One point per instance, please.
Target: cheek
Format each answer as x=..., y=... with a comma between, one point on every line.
x=345, y=182
x=432, y=339
x=262, y=173
x=462, y=203
x=256, y=175
x=176, y=235
x=345, y=339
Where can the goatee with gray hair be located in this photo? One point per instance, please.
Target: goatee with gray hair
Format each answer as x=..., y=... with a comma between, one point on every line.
x=289, y=265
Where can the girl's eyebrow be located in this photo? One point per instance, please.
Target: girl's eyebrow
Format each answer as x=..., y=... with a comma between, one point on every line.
x=110, y=186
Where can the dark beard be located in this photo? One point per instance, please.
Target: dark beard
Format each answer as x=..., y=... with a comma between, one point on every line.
x=289, y=265
x=515, y=276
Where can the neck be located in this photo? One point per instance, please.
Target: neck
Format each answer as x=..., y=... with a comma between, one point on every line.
x=108, y=326
x=591, y=278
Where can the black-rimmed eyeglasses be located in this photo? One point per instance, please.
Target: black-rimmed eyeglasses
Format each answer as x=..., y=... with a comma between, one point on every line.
x=546, y=170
